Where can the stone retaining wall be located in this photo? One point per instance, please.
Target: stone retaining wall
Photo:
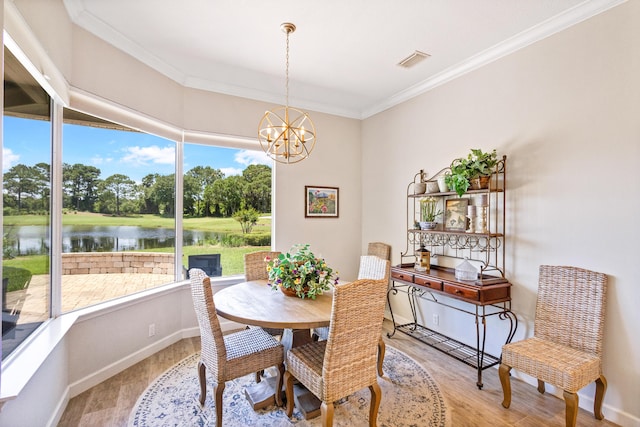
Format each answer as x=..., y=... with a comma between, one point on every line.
x=117, y=262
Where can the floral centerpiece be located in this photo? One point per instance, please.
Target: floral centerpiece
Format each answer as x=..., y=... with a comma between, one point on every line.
x=300, y=272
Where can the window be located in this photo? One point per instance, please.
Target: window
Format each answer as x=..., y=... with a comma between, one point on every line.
x=118, y=223
x=26, y=197
x=227, y=207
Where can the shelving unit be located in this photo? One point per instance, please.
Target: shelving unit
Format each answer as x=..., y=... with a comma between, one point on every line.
x=488, y=295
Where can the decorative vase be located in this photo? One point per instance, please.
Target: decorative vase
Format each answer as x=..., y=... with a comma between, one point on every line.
x=442, y=185
x=420, y=188
x=432, y=187
x=428, y=225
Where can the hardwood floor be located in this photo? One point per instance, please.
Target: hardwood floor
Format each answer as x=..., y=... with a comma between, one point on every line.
x=109, y=403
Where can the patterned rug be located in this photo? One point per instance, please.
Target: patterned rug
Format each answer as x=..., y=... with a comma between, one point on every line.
x=410, y=397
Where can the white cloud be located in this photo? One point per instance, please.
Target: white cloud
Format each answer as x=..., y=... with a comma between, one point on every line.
x=8, y=158
x=152, y=154
x=99, y=160
x=252, y=157
x=231, y=171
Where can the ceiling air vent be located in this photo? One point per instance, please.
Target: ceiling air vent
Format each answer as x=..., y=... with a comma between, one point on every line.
x=413, y=59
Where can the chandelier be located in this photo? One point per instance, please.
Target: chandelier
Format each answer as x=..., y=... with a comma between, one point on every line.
x=286, y=134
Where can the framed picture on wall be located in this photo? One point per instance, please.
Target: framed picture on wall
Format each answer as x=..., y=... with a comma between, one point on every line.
x=320, y=202
x=455, y=214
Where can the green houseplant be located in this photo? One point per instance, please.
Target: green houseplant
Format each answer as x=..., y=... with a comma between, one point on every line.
x=429, y=212
x=300, y=272
x=481, y=165
x=475, y=166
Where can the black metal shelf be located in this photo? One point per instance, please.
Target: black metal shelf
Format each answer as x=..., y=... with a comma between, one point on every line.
x=460, y=351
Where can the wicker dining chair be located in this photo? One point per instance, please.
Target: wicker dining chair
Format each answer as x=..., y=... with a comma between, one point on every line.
x=379, y=249
x=233, y=355
x=566, y=346
x=255, y=268
x=346, y=361
x=371, y=267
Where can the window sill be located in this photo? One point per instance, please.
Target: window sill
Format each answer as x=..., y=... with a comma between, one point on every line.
x=20, y=366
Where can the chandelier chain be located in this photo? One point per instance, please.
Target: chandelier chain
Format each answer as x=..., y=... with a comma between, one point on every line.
x=287, y=74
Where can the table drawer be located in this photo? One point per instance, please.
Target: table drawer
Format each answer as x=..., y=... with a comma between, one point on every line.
x=466, y=293
x=406, y=277
x=428, y=283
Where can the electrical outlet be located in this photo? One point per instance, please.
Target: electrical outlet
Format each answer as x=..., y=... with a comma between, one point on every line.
x=152, y=329
x=436, y=319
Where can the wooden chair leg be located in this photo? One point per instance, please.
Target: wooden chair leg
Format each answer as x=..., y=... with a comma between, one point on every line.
x=279, y=381
x=218, y=390
x=601, y=389
x=382, y=348
x=376, y=397
x=326, y=412
x=504, y=373
x=571, y=403
x=541, y=386
x=288, y=382
x=203, y=382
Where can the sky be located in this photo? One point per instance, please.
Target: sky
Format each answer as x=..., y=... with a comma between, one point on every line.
x=134, y=154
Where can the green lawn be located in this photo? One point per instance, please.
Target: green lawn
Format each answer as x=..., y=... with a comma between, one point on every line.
x=231, y=257
x=222, y=225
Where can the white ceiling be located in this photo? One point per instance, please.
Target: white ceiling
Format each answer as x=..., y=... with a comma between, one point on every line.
x=344, y=53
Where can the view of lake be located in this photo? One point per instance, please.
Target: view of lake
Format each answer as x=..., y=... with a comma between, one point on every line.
x=34, y=239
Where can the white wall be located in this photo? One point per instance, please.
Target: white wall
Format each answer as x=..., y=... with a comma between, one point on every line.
x=565, y=111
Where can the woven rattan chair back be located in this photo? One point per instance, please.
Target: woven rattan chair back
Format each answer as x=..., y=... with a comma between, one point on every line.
x=350, y=359
x=379, y=249
x=255, y=266
x=570, y=307
x=213, y=352
x=374, y=267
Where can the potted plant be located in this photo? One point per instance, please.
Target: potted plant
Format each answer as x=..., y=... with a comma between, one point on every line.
x=473, y=171
x=300, y=273
x=458, y=178
x=429, y=213
x=481, y=165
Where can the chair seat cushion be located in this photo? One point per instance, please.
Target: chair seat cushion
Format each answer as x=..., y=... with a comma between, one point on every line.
x=553, y=363
x=251, y=350
x=305, y=364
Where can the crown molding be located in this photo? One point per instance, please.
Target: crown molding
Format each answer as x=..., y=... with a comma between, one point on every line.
x=551, y=26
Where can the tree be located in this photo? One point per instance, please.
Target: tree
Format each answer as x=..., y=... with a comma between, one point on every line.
x=247, y=219
x=198, y=179
x=163, y=194
x=20, y=181
x=80, y=185
x=257, y=192
x=226, y=194
x=148, y=203
x=121, y=188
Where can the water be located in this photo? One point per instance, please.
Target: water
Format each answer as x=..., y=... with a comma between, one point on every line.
x=34, y=239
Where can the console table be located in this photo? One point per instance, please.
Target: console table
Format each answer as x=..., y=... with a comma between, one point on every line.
x=485, y=297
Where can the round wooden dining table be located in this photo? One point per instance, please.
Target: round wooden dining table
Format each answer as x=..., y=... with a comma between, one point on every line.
x=256, y=303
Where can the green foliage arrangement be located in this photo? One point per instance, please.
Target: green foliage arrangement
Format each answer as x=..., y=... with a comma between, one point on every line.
x=476, y=164
x=301, y=271
x=430, y=211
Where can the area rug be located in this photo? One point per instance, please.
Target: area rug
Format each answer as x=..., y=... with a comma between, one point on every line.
x=410, y=397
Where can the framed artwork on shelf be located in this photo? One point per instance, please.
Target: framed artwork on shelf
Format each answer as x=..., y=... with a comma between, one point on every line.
x=455, y=214
x=321, y=202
